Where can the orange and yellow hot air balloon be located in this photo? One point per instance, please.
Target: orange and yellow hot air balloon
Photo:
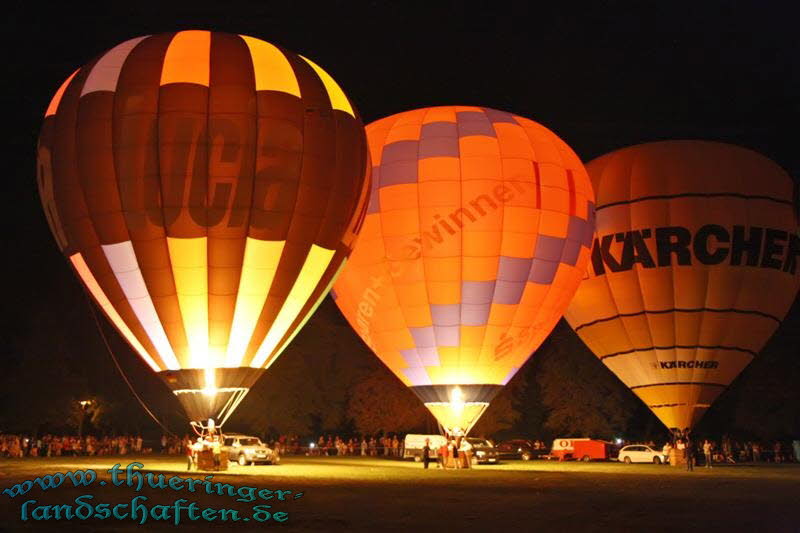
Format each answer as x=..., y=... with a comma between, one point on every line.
x=206, y=188
x=477, y=233
x=693, y=268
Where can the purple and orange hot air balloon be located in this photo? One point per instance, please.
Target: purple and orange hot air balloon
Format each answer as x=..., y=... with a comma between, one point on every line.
x=477, y=234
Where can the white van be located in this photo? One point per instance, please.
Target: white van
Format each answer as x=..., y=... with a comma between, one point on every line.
x=413, y=445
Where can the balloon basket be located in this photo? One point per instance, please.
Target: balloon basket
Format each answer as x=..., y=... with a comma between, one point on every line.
x=677, y=460
x=206, y=462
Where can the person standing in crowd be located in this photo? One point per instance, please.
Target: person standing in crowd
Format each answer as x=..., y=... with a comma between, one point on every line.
x=216, y=450
x=707, y=447
x=197, y=447
x=442, y=456
x=373, y=447
x=395, y=446
x=688, y=455
x=455, y=454
x=187, y=444
x=777, y=452
x=744, y=452
x=756, y=452
x=727, y=449
x=426, y=453
x=329, y=445
x=465, y=452
x=666, y=450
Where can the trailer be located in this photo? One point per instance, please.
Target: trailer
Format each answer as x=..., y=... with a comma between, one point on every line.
x=582, y=449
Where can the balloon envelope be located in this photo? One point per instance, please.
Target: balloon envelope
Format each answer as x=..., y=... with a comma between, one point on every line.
x=477, y=234
x=693, y=268
x=206, y=188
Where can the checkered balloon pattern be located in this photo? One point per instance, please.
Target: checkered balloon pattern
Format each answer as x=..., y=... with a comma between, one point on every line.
x=477, y=233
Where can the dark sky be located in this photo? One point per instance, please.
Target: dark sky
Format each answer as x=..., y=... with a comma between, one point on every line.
x=602, y=75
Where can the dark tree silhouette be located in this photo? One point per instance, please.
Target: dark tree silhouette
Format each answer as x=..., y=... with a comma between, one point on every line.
x=582, y=397
x=380, y=402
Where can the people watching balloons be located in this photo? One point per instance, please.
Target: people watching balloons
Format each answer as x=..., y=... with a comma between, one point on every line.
x=666, y=450
x=426, y=453
x=707, y=448
x=442, y=455
x=16, y=446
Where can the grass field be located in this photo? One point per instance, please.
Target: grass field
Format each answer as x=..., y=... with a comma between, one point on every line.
x=345, y=494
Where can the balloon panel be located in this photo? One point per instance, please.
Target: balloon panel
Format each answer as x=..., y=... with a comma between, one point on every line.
x=692, y=270
x=206, y=188
x=477, y=232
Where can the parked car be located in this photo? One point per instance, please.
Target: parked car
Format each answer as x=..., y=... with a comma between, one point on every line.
x=413, y=444
x=483, y=451
x=640, y=453
x=519, y=449
x=583, y=449
x=248, y=450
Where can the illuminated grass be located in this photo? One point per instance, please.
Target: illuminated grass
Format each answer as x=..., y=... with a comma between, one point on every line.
x=356, y=493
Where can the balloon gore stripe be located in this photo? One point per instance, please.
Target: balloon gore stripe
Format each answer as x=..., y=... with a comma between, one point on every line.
x=677, y=310
x=680, y=346
x=696, y=195
x=699, y=383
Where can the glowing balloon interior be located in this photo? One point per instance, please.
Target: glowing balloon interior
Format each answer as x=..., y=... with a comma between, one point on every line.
x=693, y=268
x=477, y=233
x=206, y=188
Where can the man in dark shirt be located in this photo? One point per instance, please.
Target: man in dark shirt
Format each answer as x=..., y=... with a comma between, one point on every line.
x=689, y=454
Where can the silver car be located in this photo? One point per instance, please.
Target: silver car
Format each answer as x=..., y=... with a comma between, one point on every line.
x=248, y=450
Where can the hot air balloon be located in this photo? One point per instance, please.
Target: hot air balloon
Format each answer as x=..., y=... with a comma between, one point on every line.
x=477, y=233
x=693, y=268
x=206, y=188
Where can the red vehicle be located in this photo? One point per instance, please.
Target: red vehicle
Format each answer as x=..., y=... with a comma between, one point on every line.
x=567, y=449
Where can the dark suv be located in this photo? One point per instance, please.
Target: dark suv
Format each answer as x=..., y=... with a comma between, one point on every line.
x=483, y=451
x=518, y=449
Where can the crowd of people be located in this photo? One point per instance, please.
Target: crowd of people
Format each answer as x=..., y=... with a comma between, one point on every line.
x=729, y=451
x=365, y=445
x=726, y=450
x=18, y=446
x=732, y=451
x=454, y=453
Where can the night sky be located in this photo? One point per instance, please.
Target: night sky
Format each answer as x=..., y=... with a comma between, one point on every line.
x=602, y=76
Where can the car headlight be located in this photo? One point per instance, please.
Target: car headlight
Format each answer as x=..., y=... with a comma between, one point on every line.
x=481, y=454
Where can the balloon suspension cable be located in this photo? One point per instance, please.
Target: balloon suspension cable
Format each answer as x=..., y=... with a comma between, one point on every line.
x=200, y=429
x=475, y=420
x=213, y=427
x=119, y=368
x=231, y=405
